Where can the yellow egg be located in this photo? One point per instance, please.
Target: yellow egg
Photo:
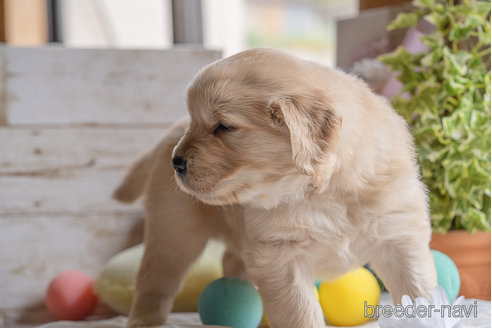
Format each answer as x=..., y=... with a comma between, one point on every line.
x=343, y=300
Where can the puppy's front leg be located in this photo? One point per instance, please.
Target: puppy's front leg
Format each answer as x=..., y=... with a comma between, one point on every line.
x=233, y=265
x=405, y=264
x=177, y=228
x=286, y=285
x=174, y=239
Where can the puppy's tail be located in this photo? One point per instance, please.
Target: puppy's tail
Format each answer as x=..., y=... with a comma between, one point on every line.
x=134, y=182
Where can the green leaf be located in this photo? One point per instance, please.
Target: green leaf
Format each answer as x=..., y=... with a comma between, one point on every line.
x=433, y=40
x=405, y=20
x=479, y=119
x=460, y=32
x=446, y=100
x=453, y=86
x=437, y=19
x=400, y=59
x=437, y=155
x=453, y=127
x=424, y=3
x=425, y=98
x=482, y=8
x=476, y=220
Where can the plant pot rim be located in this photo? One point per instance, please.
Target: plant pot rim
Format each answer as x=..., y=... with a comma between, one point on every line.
x=462, y=231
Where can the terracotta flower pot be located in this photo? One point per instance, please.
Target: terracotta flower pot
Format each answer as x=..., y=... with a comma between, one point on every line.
x=471, y=253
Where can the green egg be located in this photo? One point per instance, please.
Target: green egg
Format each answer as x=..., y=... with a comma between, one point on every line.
x=448, y=276
x=230, y=302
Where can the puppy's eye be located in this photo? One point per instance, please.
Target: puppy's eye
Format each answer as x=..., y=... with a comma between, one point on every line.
x=221, y=128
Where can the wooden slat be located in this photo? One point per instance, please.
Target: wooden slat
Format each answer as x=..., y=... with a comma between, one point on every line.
x=35, y=250
x=85, y=190
x=56, y=210
x=60, y=170
x=45, y=148
x=2, y=21
x=71, y=123
x=53, y=85
x=370, y=4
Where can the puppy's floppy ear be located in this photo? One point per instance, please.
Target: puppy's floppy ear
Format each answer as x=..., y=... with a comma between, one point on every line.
x=313, y=127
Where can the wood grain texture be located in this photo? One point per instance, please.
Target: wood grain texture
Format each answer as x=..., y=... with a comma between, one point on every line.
x=370, y=4
x=52, y=85
x=56, y=211
x=2, y=21
x=71, y=123
x=46, y=245
x=68, y=170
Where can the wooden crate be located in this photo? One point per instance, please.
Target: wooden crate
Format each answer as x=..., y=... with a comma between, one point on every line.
x=71, y=121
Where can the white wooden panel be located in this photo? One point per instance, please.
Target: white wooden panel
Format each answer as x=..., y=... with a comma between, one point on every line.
x=34, y=250
x=60, y=170
x=73, y=121
x=54, y=85
x=82, y=190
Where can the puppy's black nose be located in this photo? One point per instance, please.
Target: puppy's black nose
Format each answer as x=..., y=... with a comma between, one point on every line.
x=179, y=164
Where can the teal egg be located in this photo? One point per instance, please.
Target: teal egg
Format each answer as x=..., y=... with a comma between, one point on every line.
x=448, y=276
x=230, y=302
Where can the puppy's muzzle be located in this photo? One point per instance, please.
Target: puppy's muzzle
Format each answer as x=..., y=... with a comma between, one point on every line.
x=179, y=165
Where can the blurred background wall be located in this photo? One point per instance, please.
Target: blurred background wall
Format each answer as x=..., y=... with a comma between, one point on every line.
x=304, y=27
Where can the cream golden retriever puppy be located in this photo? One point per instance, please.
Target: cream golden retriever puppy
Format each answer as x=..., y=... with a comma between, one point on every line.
x=300, y=169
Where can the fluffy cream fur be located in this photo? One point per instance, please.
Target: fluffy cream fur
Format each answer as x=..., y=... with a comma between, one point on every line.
x=313, y=174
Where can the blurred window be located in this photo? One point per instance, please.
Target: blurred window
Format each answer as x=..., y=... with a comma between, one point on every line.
x=116, y=23
x=303, y=27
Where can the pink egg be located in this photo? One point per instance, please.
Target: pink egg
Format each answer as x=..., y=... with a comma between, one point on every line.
x=70, y=296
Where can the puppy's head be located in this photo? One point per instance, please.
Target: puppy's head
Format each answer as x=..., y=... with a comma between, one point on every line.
x=261, y=130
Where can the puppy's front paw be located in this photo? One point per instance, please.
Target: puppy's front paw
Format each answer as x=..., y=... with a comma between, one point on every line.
x=142, y=322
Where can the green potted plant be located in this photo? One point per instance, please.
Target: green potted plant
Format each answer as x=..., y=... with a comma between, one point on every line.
x=445, y=98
